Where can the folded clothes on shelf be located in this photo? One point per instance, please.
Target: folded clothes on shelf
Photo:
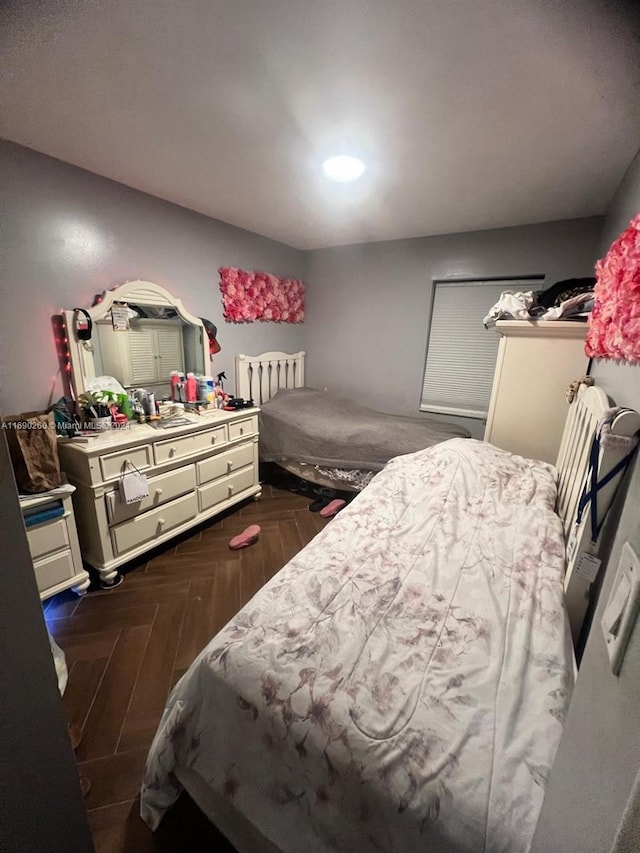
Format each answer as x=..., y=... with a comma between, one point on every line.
x=37, y=516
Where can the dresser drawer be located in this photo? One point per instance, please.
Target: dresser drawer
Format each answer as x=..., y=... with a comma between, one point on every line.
x=245, y=427
x=225, y=463
x=221, y=490
x=148, y=525
x=163, y=488
x=188, y=445
x=116, y=464
x=47, y=537
x=53, y=570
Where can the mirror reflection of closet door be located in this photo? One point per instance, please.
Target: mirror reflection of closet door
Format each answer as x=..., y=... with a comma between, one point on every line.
x=169, y=351
x=144, y=355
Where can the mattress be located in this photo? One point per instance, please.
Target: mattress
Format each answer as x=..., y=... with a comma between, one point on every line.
x=400, y=685
x=343, y=479
x=320, y=428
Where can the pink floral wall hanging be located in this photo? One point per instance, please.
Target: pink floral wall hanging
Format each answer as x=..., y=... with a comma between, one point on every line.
x=249, y=296
x=614, y=325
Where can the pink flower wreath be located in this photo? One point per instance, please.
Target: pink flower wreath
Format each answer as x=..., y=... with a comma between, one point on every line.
x=249, y=296
x=614, y=324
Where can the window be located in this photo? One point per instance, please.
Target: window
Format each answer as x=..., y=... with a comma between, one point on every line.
x=461, y=353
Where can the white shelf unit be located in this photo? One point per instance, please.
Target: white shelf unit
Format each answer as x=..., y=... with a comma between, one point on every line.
x=537, y=361
x=54, y=547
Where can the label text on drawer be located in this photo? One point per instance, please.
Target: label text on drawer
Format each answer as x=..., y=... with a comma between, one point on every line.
x=162, y=488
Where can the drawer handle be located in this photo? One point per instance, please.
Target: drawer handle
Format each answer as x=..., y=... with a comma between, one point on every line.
x=158, y=492
x=161, y=522
x=213, y=439
x=241, y=430
x=172, y=450
x=229, y=465
x=230, y=490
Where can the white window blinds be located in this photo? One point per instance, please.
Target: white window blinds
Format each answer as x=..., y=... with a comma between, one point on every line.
x=461, y=353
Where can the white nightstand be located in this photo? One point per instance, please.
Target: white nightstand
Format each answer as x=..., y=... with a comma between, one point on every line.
x=54, y=546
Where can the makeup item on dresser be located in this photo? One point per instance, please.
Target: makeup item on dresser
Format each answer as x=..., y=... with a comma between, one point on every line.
x=191, y=387
x=234, y=403
x=206, y=392
x=174, y=381
x=178, y=387
x=144, y=404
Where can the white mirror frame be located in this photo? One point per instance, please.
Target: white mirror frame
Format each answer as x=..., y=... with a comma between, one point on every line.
x=134, y=293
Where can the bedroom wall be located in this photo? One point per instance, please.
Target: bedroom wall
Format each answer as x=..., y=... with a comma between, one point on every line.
x=368, y=305
x=68, y=234
x=598, y=760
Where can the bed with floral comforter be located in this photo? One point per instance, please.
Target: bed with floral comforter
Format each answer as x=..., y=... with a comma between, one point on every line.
x=400, y=685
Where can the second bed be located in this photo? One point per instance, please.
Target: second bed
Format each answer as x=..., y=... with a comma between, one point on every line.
x=324, y=438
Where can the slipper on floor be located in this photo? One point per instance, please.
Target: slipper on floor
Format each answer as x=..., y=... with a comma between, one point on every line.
x=247, y=537
x=332, y=508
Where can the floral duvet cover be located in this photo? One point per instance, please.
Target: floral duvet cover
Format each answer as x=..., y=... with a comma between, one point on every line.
x=400, y=685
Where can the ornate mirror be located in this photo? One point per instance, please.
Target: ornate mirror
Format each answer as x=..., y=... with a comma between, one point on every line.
x=138, y=333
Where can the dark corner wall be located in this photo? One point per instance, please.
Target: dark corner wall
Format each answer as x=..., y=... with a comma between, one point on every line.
x=68, y=234
x=41, y=807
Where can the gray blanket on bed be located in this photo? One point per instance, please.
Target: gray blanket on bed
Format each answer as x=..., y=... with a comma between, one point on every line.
x=319, y=428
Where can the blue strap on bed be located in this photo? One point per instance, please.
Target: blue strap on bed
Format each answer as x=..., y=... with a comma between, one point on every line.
x=589, y=496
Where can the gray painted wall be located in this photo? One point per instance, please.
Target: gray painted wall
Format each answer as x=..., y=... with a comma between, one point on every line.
x=68, y=234
x=368, y=305
x=599, y=755
x=41, y=807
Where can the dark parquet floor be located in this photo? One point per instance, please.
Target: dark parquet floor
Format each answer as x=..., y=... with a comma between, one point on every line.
x=127, y=647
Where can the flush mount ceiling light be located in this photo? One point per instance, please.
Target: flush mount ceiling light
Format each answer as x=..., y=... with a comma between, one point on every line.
x=343, y=168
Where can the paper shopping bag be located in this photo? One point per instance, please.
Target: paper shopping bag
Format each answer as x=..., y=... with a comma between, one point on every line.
x=33, y=446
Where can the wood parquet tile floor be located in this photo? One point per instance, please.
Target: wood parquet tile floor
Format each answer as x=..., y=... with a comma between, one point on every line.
x=127, y=647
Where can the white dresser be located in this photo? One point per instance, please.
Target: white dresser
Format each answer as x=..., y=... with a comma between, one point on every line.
x=194, y=472
x=536, y=362
x=54, y=547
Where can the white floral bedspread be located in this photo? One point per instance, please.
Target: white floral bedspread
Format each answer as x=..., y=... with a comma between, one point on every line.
x=401, y=684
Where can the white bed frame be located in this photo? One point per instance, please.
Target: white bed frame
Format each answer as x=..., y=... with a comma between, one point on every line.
x=573, y=462
x=259, y=377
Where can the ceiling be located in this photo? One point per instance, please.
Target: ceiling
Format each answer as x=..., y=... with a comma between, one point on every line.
x=470, y=114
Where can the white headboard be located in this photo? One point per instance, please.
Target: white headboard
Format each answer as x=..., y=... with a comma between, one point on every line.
x=259, y=377
x=590, y=405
